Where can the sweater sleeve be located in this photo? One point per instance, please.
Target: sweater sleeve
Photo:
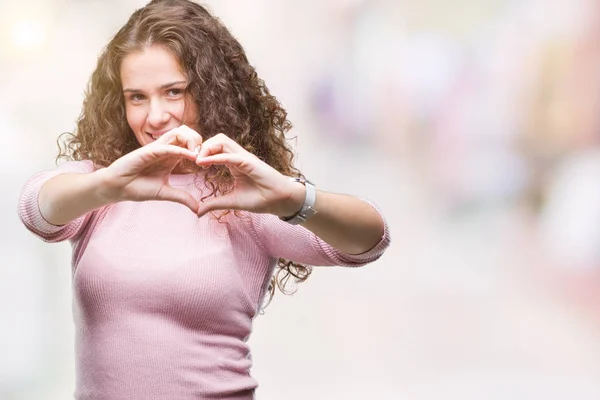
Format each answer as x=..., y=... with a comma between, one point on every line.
x=296, y=243
x=29, y=211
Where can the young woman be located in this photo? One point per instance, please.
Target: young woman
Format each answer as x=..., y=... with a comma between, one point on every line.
x=181, y=203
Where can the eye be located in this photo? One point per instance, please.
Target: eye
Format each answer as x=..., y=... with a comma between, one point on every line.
x=137, y=97
x=175, y=92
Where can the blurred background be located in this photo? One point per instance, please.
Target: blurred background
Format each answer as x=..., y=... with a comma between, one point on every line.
x=473, y=124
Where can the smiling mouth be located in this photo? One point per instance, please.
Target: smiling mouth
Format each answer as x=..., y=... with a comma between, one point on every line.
x=155, y=136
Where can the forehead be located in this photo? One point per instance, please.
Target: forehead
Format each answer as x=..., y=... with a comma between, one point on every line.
x=149, y=68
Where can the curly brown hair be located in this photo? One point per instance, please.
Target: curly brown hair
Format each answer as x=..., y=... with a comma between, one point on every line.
x=223, y=84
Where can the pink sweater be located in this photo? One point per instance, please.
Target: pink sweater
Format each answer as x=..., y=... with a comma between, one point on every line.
x=163, y=302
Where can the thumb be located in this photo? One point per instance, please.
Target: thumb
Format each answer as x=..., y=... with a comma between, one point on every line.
x=226, y=202
x=169, y=193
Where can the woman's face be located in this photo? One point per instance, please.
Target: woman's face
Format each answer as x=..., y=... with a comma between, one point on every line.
x=155, y=97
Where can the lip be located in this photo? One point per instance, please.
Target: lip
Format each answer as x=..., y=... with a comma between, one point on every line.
x=158, y=133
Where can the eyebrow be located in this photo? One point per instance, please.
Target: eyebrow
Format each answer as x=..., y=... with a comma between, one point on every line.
x=165, y=86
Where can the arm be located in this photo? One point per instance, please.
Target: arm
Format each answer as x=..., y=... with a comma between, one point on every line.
x=280, y=239
x=140, y=175
x=53, y=204
x=29, y=206
x=346, y=223
x=66, y=197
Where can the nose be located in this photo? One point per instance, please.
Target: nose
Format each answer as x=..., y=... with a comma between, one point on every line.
x=157, y=115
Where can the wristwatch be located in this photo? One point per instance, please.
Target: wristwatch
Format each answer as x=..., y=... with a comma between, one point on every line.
x=308, y=208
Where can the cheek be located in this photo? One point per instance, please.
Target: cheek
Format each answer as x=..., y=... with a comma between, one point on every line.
x=190, y=114
x=181, y=111
x=135, y=117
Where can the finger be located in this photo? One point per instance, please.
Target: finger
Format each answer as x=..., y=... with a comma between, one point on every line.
x=169, y=193
x=220, y=143
x=221, y=159
x=168, y=150
x=195, y=139
x=211, y=148
x=226, y=202
x=182, y=135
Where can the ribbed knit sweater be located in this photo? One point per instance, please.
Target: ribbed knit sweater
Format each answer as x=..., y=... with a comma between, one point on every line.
x=163, y=301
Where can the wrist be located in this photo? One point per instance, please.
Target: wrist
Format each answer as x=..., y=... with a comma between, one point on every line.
x=304, y=199
x=292, y=203
x=107, y=190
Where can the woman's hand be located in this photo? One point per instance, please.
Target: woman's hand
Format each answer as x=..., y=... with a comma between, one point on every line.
x=258, y=187
x=144, y=173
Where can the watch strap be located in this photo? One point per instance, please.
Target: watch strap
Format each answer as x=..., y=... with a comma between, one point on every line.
x=308, y=208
